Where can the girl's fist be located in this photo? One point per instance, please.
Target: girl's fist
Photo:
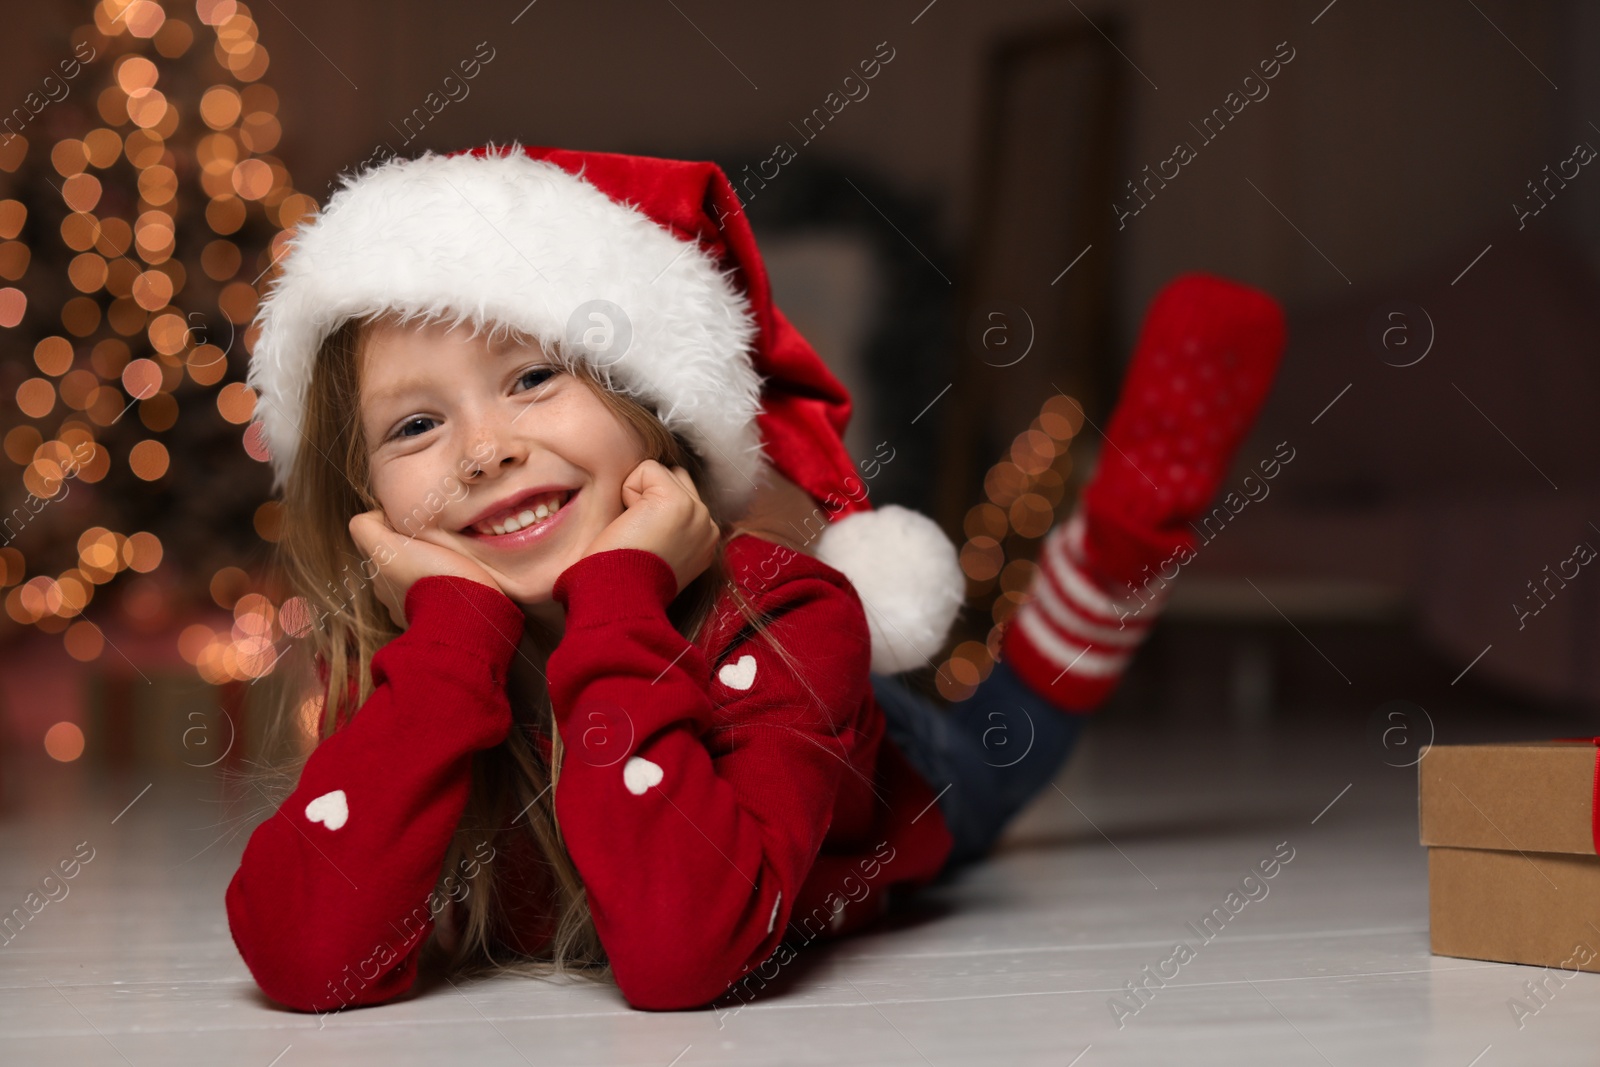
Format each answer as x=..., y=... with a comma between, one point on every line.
x=408, y=559
x=663, y=513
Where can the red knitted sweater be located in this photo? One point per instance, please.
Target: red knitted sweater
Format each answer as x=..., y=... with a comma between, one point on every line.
x=714, y=800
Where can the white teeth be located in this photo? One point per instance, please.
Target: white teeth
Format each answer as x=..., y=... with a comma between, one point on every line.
x=527, y=517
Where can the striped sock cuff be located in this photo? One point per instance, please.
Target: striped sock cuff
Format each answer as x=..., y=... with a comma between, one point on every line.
x=1073, y=640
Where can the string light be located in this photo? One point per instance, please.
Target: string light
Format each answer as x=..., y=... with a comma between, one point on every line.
x=64, y=742
x=124, y=307
x=1023, y=493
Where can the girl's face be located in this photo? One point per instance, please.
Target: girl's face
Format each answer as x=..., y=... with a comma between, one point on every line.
x=437, y=405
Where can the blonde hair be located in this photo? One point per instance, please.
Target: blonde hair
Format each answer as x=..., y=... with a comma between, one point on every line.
x=327, y=485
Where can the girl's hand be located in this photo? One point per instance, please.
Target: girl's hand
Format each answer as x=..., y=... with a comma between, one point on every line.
x=409, y=558
x=663, y=513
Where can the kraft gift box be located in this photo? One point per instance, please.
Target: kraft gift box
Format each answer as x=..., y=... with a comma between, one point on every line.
x=1512, y=870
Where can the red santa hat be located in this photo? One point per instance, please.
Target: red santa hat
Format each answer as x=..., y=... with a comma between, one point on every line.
x=646, y=269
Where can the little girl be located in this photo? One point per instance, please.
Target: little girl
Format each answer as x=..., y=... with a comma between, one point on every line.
x=609, y=688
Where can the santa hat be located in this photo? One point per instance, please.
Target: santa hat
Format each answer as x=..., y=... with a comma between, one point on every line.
x=646, y=269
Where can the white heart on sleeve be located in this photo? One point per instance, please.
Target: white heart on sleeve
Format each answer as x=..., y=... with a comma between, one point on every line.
x=639, y=774
x=740, y=675
x=330, y=809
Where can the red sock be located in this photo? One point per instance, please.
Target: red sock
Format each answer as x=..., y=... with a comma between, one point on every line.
x=1205, y=359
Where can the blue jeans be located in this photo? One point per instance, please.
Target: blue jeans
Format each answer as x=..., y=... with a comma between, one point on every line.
x=986, y=756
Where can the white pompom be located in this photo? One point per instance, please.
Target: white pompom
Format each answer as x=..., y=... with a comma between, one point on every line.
x=908, y=576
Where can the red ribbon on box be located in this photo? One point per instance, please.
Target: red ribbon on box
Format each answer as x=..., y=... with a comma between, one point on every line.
x=1594, y=803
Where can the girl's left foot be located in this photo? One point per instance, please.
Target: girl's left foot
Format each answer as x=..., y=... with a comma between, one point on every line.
x=1205, y=359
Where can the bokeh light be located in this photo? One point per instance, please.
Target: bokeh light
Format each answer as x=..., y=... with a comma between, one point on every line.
x=1023, y=492
x=149, y=152
x=64, y=742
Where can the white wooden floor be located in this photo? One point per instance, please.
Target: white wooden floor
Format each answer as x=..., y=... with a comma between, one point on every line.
x=1016, y=963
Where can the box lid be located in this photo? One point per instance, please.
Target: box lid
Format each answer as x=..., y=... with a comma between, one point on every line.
x=1533, y=796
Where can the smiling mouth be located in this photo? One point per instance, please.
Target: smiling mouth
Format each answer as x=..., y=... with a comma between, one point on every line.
x=530, y=514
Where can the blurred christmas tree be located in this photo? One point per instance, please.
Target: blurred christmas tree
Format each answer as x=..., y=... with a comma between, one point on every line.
x=140, y=209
